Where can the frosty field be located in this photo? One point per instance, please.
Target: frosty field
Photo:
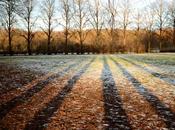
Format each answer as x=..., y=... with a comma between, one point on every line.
x=88, y=92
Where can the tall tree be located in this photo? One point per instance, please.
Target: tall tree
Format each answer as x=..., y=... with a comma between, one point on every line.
x=48, y=13
x=66, y=12
x=27, y=7
x=111, y=21
x=125, y=16
x=172, y=18
x=149, y=23
x=81, y=20
x=9, y=10
x=138, y=22
x=161, y=15
x=1, y=26
x=97, y=20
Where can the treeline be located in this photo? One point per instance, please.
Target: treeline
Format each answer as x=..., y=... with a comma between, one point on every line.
x=88, y=26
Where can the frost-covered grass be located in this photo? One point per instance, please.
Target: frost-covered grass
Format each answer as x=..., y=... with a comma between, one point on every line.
x=110, y=89
x=165, y=62
x=154, y=58
x=42, y=63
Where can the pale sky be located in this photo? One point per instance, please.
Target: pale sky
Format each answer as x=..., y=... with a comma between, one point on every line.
x=136, y=4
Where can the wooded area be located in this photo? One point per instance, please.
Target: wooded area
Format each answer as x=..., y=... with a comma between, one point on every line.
x=88, y=26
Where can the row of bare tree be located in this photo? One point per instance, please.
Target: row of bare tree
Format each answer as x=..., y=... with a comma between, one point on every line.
x=79, y=17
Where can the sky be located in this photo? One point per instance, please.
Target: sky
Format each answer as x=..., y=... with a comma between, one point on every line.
x=136, y=4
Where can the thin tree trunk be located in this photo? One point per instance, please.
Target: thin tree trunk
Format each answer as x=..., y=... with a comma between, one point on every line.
x=10, y=38
x=81, y=46
x=48, y=44
x=28, y=39
x=9, y=34
x=66, y=42
x=150, y=42
x=28, y=44
x=124, y=37
x=10, y=41
x=149, y=46
x=49, y=37
x=174, y=33
x=112, y=40
x=160, y=44
x=81, y=42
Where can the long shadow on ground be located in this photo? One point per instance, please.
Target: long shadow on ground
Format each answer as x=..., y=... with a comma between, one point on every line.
x=14, y=78
x=165, y=113
x=115, y=116
x=42, y=117
x=155, y=74
x=7, y=107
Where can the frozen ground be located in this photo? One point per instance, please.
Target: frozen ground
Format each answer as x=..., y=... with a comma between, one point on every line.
x=90, y=92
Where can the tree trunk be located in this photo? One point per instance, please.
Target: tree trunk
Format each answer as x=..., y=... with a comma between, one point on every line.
x=10, y=41
x=66, y=42
x=29, y=41
x=150, y=41
x=112, y=41
x=160, y=43
x=149, y=46
x=9, y=34
x=174, y=33
x=81, y=47
x=81, y=42
x=48, y=45
x=49, y=37
x=124, y=37
x=28, y=46
x=29, y=36
x=48, y=42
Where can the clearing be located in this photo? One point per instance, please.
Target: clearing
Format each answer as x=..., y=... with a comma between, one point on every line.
x=88, y=92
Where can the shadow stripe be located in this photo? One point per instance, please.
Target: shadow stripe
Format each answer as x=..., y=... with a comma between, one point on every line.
x=155, y=74
x=164, y=112
x=115, y=116
x=8, y=106
x=42, y=117
x=11, y=89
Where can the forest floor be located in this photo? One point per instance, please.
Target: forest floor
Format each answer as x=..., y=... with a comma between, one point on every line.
x=88, y=92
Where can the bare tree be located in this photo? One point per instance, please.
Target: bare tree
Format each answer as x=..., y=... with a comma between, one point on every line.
x=9, y=10
x=1, y=28
x=112, y=23
x=48, y=12
x=172, y=18
x=66, y=11
x=81, y=19
x=125, y=14
x=29, y=22
x=161, y=15
x=149, y=23
x=138, y=22
x=97, y=20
